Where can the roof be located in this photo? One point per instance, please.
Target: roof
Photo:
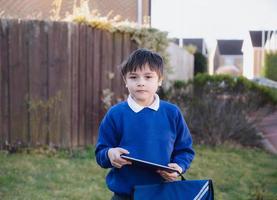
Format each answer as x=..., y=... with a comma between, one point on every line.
x=175, y=40
x=257, y=37
x=198, y=42
x=230, y=47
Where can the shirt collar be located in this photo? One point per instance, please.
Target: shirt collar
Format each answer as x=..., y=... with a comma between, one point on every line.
x=136, y=107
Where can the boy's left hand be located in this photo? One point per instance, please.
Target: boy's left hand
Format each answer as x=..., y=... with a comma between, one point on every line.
x=170, y=176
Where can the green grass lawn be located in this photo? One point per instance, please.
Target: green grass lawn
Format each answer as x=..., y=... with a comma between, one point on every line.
x=237, y=173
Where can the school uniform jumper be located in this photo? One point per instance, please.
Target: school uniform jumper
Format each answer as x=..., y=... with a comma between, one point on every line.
x=157, y=133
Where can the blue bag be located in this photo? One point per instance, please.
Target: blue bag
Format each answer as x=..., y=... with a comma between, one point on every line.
x=177, y=190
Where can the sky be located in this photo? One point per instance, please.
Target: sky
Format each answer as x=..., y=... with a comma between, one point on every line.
x=213, y=19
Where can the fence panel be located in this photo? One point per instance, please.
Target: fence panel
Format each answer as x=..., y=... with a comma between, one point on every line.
x=118, y=84
x=52, y=79
x=1, y=78
x=37, y=65
x=74, y=67
x=82, y=83
x=65, y=136
x=4, y=87
x=18, y=82
x=96, y=102
x=106, y=73
x=89, y=87
x=58, y=74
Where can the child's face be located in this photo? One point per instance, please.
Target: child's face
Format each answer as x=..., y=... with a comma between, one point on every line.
x=142, y=85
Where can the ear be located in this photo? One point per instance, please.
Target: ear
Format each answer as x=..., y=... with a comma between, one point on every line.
x=125, y=82
x=160, y=81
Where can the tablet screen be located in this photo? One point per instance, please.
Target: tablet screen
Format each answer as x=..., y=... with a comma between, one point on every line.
x=147, y=164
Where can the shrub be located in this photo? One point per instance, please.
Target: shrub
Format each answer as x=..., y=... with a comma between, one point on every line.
x=220, y=109
x=271, y=65
x=200, y=63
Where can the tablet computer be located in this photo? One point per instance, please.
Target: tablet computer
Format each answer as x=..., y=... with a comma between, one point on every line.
x=147, y=164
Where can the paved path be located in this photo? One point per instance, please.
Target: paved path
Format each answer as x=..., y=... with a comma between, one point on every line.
x=269, y=128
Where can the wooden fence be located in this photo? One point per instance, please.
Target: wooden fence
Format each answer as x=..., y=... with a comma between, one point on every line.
x=52, y=79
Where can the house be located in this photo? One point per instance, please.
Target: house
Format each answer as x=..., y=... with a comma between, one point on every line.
x=228, y=53
x=254, y=47
x=271, y=43
x=131, y=10
x=181, y=63
x=199, y=43
x=198, y=46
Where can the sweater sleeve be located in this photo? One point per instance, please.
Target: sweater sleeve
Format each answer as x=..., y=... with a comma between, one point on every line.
x=107, y=138
x=183, y=152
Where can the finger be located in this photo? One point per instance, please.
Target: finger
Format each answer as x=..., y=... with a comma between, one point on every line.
x=123, y=151
x=170, y=175
x=175, y=166
x=123, y=161
x=126, y=162
x=164, y=175
x=173, y=175
x=117, y=165
x=168, y=178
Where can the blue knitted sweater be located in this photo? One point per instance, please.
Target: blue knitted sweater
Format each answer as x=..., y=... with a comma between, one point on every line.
x=160, y=136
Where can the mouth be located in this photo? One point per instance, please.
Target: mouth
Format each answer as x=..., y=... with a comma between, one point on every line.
x=141, y=91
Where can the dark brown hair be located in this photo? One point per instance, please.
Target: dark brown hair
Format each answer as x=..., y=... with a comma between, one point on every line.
x=139, y=58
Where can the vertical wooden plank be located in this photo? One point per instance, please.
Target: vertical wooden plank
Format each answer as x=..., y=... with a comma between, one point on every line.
x=82, y=84
x=107, y=56
x=65, y=136
x=13, y=69
x=74, y=84
x=118, y=85
x=126, y=50
x=67, y=100
x=106, y=70
x=96, y=102
x=24, y=80
x=4, y=88
x=89, y=88
x=59, y=86
x=38, y=94
x=1, y=63
x=50, y=58
x=18, y=86
x=44, y=79
x=55, y=83
x=25, y=64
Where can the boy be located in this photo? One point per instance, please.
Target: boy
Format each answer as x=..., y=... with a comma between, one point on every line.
x=144, y=127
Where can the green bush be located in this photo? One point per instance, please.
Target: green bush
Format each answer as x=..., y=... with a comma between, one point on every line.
x=200, y=63
x=220, y=109
x=271, y=65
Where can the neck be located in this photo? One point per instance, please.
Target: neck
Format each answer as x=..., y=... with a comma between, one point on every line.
x=144, y=103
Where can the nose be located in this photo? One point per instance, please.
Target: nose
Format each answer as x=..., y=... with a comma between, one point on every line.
x=141, y=82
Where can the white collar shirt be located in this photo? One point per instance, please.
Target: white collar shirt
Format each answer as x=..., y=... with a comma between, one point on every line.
x=136, y=107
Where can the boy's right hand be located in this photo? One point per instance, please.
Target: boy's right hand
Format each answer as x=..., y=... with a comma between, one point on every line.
x=116, y=160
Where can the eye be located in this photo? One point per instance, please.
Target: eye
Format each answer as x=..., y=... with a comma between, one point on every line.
x=148, y=77
x=132, y=77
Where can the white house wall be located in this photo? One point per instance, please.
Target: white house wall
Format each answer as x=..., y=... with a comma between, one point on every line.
x=248, y=63
x=248, y=58
x=181, y=62
x=271, y=44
